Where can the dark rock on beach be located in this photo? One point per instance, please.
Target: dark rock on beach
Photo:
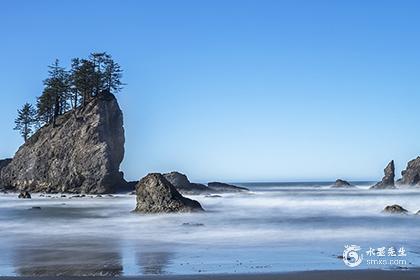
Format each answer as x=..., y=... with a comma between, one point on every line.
x=339, y=183
x=223, y=187
x=24, y=195
x=80, y=154
x=411, y=175
x=155, y=194
x=183, y=185
x=388, y=179
x=395, y=209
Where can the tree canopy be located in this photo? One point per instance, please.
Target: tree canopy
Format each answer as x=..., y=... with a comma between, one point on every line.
x=66, y=90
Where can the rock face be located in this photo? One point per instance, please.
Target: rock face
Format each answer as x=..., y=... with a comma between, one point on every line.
x=81, y=154
x=4, y=163
x=222, y=187
x=388, y=180
x=155, y=194
x=411, y=175
x=183, y=185
x=341, y=184
x=395, y=209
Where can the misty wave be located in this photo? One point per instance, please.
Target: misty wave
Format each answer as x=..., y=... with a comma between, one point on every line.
x=259, y=226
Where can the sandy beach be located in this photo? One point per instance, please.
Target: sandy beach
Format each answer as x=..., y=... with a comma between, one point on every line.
x=308, y=275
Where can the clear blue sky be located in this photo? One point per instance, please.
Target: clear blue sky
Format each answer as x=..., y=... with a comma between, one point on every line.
x=235, y=90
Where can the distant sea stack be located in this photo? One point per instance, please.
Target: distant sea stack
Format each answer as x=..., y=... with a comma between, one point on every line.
x=183, y=185
x=223, y=187
x=155, y=194
x=80, y=154
x=387, y=181
x=339, y=183
x=411, y=175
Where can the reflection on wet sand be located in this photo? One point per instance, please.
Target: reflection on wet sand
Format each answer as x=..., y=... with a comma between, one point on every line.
x=154, y=262
x=68, y=258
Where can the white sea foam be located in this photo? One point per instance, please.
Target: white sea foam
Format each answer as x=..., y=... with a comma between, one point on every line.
x=259, y=223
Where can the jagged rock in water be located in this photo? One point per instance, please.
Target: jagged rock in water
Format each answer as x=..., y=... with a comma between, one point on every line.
x=411, y=175
x=183, y=185
x=81, y=154
x=155, y=194
x=339, y=183
x=223, y=187
x=388, y=180
x=395, y=209
x=24, y=195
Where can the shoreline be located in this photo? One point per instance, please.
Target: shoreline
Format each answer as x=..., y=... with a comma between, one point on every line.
x=359, y=274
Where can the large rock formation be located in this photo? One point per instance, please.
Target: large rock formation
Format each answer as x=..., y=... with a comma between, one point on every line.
x=183, y=185
x=223, y=187
x=411, y=175
x=155, y=194
x=339, y=183
x=388, y=180
x=81, y=154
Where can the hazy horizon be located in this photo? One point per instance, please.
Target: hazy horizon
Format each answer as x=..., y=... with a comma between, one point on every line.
x=235, y=90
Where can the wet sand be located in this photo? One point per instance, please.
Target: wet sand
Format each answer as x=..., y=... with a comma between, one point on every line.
x=307, y=275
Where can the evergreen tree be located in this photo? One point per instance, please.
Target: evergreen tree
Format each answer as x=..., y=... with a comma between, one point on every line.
x=112, y=76
x=108, y=73
x=25, y=120
x=99, y=61
x=83, y=80
x=56, y=93
x=45, y=107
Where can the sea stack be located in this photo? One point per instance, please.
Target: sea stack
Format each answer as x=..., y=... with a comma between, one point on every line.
x=155, y=194
x=411, y=175
x=387, y=181
x=80, y=154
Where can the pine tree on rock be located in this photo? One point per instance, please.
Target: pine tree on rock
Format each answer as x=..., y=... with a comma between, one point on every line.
x=83, y=80
x=25, y=120
x=56, y=93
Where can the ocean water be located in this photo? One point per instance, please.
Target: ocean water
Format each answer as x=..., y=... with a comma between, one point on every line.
x=276, y=227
